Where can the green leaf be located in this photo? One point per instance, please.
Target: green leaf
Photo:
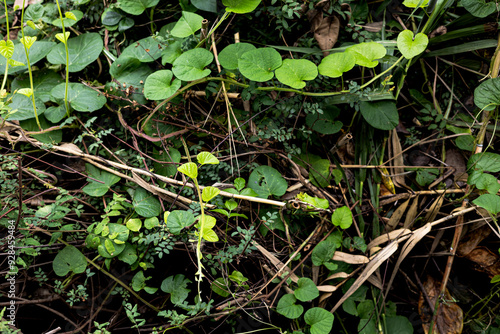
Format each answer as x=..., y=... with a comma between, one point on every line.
x=208, y=223
x=416, y=3
x=146, y=204
x=129, y=254
x=37, y=52
x=320, y=320
x=7, y=48
x=411, y=46
x=71, y=19
x=489, y=183
x=230, y=204
x=487, y=94
x=128, y=72
x=209, y=193
x=125, y=24
x=83, y=50
x=28, y=41
x=319, y=173
x=187, y=25
x=367, y=53
x=326, y=123
x=210, y=235
x=190, y=169
x=80, y=97
x=323, y=252
x=487, y=162
x=306, y=290
x=51, y=137
x=398, y=324
x=191, y=64
x=315, y=202
x=146, y=50
x=207, y=158
x=136, y=7
x=293, y=72
x=336, y=64
x=25, y=91
x=139, y=281
x=240, y=6
x=179, y=219
x=232, y=53
x=69, y=259
x=171, y=53
x=342, y=217
x=259, y=64
x=267, y=181
x=151, y=222
x=134, y=224
x=239, y=183
x=288, y=308
x=63, y=38
x=99, y=181
x=206, y=5
x=43, y=82
x=24, y=107
x=176, y=286
x=220, y=287
x=381, y=115
x=480, y=8
x=159, y=85
x=489, y=202
x=172, y=155
x=111, y=17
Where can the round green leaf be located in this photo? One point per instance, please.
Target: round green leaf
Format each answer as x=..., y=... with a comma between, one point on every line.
x=24, y=106
x=69, y=259
x=487, y=94
x=336, y=64
x=209, y=193
x=342, y=217
x=191, y=64
x=240, y=6
x=207, y=158
x=171, y=53
x=325, y=123
x=145, y=204
x=146, y=50
x=80, y=97
x=320, y=320
x=288, y=308
x=134, y=224
x=323, y=252
x=136, y=7
x=179, y=219
x=159, y=85
x=267, y=181
x=149, y=223
x=480, y=8
x=489, y=202
x=83, y=50
x=367, y=53
x=190, y=169
x=410, y=46
x=306, y=290
x=259, y=64
x=187, y=25
x=229, y=57
x=111, y=17
x=381, y=115
x=293, y=72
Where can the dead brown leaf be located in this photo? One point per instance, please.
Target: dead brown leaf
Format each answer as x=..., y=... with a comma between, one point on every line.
x=449, y=319
x=485, y=261
x=325, y=29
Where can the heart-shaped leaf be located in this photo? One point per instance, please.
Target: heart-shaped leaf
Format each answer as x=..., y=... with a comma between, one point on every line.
x=159, y=85
x=342, y=217
x=63, y=37
x=99, y=181
x=209, y=193
x=381, y=115
x=320, y=320
x=267, y=181
x=259, y=64
x=336, y=64
x=176, y=286
x=487, y=94
x=187, y=25
x=410, y=46
x=240, y=6
x=136, y=7
x=207, y=158
x=83, y=50
x=69, y=259
x=71, y=19
x=306, y=290
x=24, y=107
x=190, y=169
x=179, y=219
x=288, y=308
x=191, y=64
x=146, y=50
x=28, y=41
x=145, y=204
x=480, y=8
x=7, y=48
x=489, y=202
x=231, y=54
x=367, y=53
x=80, y=97
x=293, y=72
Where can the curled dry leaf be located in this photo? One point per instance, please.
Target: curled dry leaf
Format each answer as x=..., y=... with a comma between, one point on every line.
x=441, y=30
x=472, y=239
x=450, y=316
x=485, y=261
x=325, y=29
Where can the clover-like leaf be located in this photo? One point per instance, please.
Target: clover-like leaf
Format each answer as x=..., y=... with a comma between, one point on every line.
x=191, y=64
x=336, y=64
x=159, y=85
x=293, y=72
x=190, y=169
x=207, y=158
x=259, y=64
x=411, y=46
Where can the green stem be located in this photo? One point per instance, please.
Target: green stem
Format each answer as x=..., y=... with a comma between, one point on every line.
x=67, y=60
x=199, y=255
x=30, y=72
x=381, y=74
x=210, y=33
x=8, y=39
